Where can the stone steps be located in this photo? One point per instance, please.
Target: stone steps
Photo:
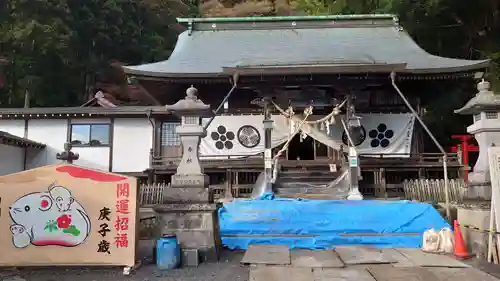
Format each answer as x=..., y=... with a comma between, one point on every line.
x=312, y=180
x=307, y=190
x=296, y=181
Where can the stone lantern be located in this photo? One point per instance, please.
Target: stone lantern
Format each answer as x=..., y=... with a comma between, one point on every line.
x=190, y=110
x=485, y=109
x=188, y=209
x=67, y=155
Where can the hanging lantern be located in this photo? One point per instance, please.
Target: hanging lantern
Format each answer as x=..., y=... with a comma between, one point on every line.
x=358, y=134
x=354, y=121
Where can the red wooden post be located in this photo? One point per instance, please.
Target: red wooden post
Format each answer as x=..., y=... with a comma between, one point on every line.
x=466, y=149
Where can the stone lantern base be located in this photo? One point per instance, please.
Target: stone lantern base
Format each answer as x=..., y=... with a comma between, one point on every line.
x=189, y=212
x=195, y=225
x=478, y=192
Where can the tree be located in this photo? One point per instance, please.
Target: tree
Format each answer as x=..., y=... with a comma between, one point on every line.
x=55, y=48
x=238, y=8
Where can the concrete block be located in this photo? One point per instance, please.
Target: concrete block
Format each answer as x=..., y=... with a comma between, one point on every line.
x=190, y=257
x=209, y=254
x=477, y=242
x=206, y=242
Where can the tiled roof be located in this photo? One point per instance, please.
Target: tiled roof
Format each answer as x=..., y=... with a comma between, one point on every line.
x=80, y=112
x=8, y=139
x=334, y=44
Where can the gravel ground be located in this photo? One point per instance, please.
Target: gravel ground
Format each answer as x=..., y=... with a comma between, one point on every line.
x=227, y=269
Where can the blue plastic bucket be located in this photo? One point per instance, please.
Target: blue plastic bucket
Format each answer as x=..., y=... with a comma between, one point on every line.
x=168, y=252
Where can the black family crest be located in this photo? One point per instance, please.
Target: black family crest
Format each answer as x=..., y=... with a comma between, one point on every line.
x=381, y=136
x=222, y=138
x=358, y=135
x=248, y=136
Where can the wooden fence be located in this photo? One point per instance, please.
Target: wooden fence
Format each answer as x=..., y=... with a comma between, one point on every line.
x=425, y=190
x=430, y=190
x=152, y=194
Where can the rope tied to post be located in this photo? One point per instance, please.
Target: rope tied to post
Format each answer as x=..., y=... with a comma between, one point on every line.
x=289, y=114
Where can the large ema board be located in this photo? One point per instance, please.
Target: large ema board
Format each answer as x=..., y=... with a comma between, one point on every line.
x=67, y=215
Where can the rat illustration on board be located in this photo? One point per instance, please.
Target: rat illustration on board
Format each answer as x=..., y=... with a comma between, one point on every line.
x=52, y=218
x=62, y=197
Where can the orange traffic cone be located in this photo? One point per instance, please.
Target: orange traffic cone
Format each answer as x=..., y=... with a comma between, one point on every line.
x=460, y=248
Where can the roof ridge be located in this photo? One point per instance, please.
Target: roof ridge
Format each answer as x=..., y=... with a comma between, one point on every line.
x=392, y=17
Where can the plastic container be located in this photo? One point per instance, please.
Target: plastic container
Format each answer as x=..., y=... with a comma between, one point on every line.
x=168, y=252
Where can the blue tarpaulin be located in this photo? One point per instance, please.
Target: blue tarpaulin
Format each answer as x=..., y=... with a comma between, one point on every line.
x=325, y=224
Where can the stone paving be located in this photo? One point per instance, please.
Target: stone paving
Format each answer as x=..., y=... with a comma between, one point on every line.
x=227, y=269
x=277, y=263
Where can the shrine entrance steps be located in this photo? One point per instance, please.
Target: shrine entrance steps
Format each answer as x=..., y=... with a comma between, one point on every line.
x=295, y=181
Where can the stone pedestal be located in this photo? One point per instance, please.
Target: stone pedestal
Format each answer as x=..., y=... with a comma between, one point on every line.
x=188, y=208
x=477, y=216
x=196, y=227
x=477, y=191
x=183, y=192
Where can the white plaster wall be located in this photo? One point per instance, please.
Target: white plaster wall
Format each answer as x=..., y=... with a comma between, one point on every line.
x=93, y=157
x=132, y=140
x=11, y=159
x=52, y=133
x=14, y=127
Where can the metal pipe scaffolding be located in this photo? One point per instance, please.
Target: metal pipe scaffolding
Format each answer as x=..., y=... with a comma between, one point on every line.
x=216, y=111
x=439, y=146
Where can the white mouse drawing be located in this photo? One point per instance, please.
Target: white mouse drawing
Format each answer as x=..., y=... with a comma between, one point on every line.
x=62, y=197
x=37, y=221
x=20, y=237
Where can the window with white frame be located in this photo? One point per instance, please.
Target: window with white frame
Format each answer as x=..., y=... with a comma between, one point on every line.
x=168, y=135
x=90, y=134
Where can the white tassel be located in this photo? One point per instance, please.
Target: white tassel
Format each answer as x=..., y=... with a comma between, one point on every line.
x=322, y=126
x=327, y=127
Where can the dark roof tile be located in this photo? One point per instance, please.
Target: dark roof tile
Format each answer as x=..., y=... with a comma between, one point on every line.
x=205, y=52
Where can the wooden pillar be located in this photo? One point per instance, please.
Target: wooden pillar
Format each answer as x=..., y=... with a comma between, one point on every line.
x=380, y=183
x=376, y=183
x=150, y=176
x=228, y=194
x=314, y=149
x=383, y=183
x=421, y=173
x=236, y=185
